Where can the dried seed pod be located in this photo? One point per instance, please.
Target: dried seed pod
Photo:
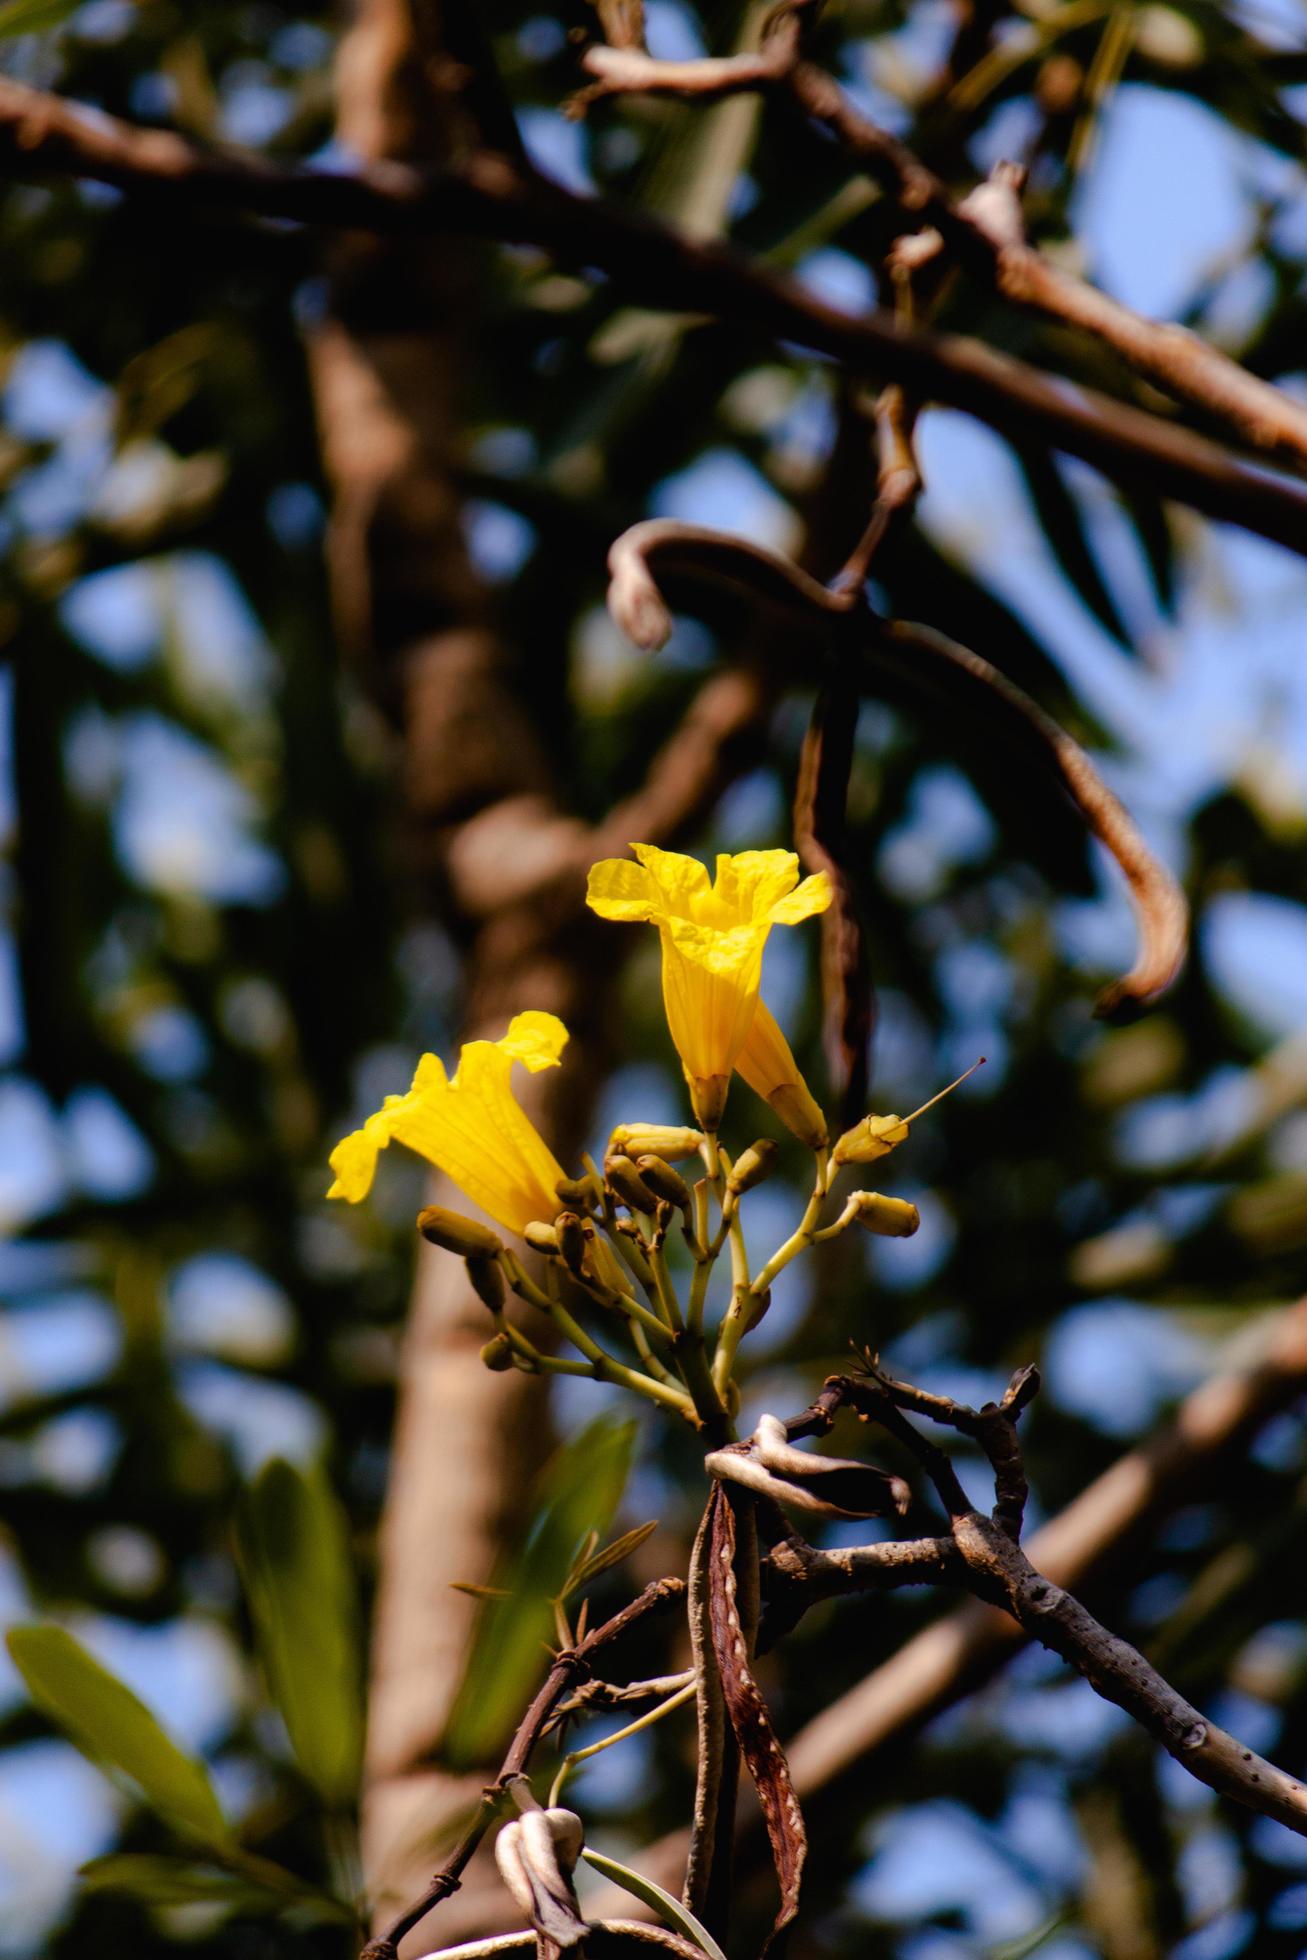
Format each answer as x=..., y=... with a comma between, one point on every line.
x=458, y=1234
x=753, y=1165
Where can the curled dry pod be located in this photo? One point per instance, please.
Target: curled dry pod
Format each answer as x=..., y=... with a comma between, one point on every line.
x=888, y=1218
x=753, y=1165
x=532, y=1853
x=664, y=1182
x=458, y=1234
x=626, y=1183
x=486, y=1276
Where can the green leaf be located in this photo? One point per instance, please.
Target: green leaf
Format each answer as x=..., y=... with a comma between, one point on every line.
x=1062, y=522
x=33, y=16
x=582, y=1487
x=107, y=1722
x=294, y=1553
x=669, y=1910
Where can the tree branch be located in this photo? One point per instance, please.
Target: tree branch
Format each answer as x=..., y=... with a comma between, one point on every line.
x=984, y=231
x=490, y=196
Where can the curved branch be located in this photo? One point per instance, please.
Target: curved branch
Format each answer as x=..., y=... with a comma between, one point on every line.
x=915, y=653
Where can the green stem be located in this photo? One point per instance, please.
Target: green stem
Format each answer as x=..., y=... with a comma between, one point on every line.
x=644, y=1721
x=747, y=1297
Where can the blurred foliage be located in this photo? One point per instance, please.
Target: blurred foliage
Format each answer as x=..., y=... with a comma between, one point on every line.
x=217, y=957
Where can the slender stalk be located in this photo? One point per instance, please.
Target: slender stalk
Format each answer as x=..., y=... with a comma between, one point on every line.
x=645, y=1721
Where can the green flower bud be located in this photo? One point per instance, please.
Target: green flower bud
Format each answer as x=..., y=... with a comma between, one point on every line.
x=458, y=1234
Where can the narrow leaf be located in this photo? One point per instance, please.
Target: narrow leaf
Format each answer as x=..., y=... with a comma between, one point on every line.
x=1062, y=522
x=477, y=1592
x=294, y=1554
x=611, y=1555
x=581, y=1489
x=171, y=1881
x=670, y=1910
x=107, y=1722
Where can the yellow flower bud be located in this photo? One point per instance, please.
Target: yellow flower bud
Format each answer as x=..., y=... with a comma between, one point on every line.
x=541, y=1237
x=664, y=1182
x=571, y=1240
x=769, y=1068
x=626, y=1183
x=458, y=1234
x=888, y=1218
x=871, y=1139
x=487, y=1280
x=498, y=1354
x=753, y=1165
x=665, y=1140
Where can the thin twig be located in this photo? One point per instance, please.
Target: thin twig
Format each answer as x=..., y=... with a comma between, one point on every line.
x=570, y=1667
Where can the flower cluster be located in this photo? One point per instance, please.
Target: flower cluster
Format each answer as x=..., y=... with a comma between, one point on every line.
x=603, y=1236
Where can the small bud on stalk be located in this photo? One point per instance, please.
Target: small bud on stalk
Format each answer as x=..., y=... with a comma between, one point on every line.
x=455, y=1233
x=888, y=1218
x=486, y=1278
x=664, y=1182
x=753, y=1165
x=625, y=1182
x=571, y=1239
x=498, y=1354
x=665, y=1140
x=541, y=1237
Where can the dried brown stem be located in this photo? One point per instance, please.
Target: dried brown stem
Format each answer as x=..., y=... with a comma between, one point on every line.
x=490, y=196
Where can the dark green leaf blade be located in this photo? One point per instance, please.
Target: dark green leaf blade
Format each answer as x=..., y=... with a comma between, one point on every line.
x=33, y=16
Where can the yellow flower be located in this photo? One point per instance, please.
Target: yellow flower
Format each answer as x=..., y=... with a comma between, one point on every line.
x=769, y=1068
x=712, y=939
x=470, y=1127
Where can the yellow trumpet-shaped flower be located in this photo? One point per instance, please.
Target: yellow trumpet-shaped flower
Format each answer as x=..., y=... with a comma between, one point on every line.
x=469, y=1126
x=769, y=1068
x=712, y=939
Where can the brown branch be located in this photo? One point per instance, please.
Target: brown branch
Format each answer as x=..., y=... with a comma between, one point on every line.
x=957, y=1654
x=490, y=196
x=919, y=656
x=1161, y=911
x=570, y=1667
x=1119, y=1672
x=985, y=231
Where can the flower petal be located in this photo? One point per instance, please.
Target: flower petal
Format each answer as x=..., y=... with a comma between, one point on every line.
x=535, y=1039
x=680, y=882
x=749, y=884
x=618, y=889
x=813, y=895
